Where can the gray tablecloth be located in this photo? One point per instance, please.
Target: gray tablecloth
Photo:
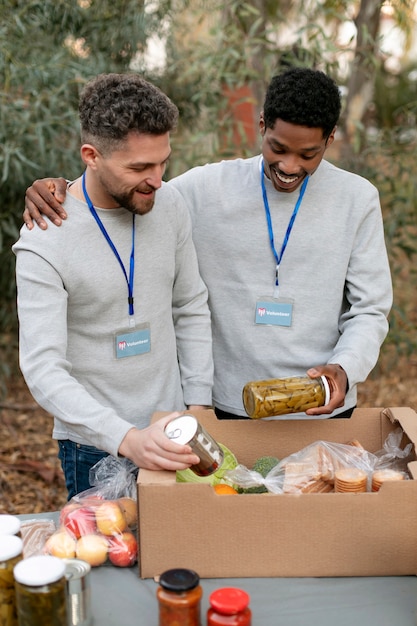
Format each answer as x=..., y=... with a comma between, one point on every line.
x=121, y=598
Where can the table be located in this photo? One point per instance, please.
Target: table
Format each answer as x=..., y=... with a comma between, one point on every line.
x=121, y=598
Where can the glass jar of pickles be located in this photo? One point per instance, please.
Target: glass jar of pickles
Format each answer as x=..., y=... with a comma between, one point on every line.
x=179, y=597
x=11, y=548
x=280, y=396
x=41, y=591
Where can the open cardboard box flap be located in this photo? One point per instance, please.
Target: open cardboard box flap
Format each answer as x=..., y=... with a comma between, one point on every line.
x=370, y=534
x=407, y=419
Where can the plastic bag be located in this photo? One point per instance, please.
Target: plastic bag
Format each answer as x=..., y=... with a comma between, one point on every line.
x=98, y=525
x=314, y=468
x=35, y=532
x=114, y=478
x=392, y=456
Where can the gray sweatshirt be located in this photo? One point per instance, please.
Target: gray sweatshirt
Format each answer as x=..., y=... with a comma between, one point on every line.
x=72, y=303
x=334, y=272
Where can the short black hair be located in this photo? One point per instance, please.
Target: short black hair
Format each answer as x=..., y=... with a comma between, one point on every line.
x=112, y=105
x=305, y=97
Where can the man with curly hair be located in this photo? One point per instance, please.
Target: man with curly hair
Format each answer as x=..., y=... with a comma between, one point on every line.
x=291, y=249
x=114, y=321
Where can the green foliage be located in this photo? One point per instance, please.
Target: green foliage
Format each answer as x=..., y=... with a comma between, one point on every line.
x=50, y=48
x=43, y=65
x=239, y=48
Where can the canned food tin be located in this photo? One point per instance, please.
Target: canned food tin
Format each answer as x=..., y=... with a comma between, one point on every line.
x=77, y=575
x=187, y=430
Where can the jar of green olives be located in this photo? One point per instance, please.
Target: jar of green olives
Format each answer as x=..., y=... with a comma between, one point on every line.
x=280, y=396
x=41, y=591
x=11, y=549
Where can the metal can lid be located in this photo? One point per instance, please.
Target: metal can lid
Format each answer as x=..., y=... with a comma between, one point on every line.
x=10, y=546
x=326, y=389
x=182, y=429
x=39, y=570
x=229, y=600
x=179, y=580
x=75, y=569
x=9, y=524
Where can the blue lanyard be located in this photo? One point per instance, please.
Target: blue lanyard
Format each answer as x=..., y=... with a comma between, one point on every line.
x=129, y=280
x=278, y=258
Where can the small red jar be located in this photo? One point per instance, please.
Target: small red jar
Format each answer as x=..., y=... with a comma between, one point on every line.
x=229, y=607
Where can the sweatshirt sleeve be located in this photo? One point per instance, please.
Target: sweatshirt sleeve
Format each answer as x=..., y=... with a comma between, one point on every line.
x=42, y=310
x=364, y=325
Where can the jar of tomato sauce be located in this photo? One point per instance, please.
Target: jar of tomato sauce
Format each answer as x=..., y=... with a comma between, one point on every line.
x=179, y=597
x=229, y=606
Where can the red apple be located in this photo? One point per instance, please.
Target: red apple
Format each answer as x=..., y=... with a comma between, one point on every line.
x=80, y=522
x=123, y=549
x=70, y=506
x=110, y=519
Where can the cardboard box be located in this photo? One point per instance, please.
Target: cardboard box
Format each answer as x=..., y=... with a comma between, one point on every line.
x=328, y=534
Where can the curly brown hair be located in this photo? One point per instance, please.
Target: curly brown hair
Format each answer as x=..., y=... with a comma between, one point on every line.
x=113, y=105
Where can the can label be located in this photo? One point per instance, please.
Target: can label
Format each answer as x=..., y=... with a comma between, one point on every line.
x=187, y=430
x=77, y=575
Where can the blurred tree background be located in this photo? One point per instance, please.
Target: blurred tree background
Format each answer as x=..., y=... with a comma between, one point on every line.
x=214, y=59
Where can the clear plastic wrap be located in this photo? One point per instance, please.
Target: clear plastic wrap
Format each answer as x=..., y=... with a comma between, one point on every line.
x=392, y=456
x=322, y=466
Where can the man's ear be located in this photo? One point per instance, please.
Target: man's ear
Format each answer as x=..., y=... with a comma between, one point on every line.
x=330, y=138
x=89, y=155
x=262, y=124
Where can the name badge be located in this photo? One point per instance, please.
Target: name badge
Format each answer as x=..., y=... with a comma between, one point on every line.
x=273, y=313
x=134, y=342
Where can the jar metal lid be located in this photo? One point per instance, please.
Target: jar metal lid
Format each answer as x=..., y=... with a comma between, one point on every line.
x=182, y=429
x=10, y=546
x=9, y=524
x=36, y=571
x=229, y=600
x=179, y=580
x=326, y=389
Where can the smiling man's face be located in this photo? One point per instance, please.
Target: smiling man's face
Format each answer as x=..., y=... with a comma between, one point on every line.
x=130, y=175
x=292, y=152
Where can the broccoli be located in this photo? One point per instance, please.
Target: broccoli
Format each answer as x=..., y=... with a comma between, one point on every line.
x=263, y=465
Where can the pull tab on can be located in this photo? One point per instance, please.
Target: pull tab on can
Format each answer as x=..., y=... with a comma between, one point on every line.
x=187, y=430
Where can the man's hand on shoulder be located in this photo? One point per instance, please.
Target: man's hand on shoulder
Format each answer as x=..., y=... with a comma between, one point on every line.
x=44, y=197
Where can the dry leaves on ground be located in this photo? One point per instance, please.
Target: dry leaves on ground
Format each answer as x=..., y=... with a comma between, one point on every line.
x=31, y=479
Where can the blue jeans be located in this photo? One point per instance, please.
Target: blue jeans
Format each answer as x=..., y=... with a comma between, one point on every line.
x=76, y=461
